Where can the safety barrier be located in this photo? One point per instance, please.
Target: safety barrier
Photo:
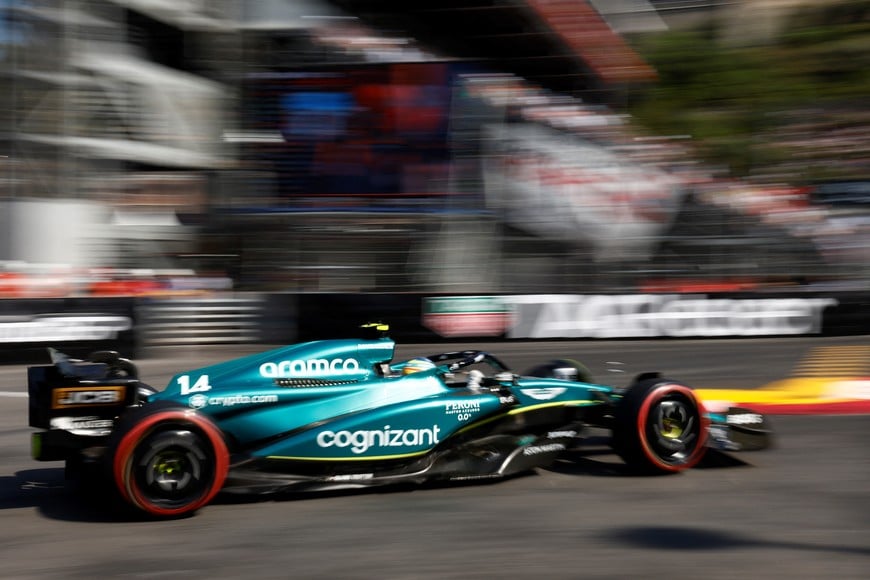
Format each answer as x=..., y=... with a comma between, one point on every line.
x=82, y=325
x=193, y=321
x=427, y=318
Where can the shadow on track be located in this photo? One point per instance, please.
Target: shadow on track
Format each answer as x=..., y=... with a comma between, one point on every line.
x=54, y=497
x=700, y=539
x=392, y=488
x=596, y=458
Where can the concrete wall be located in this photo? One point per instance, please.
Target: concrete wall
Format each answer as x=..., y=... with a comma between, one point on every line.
x=50, y=231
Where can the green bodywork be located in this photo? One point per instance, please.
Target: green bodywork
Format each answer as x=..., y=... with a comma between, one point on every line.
x=338, y=400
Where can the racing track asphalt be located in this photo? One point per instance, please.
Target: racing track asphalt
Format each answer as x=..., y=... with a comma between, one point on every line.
x=800, y=510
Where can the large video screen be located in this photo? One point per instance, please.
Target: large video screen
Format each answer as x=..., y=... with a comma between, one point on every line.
x=368, y=130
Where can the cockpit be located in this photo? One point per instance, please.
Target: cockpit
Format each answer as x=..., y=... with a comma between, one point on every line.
x=459, y=369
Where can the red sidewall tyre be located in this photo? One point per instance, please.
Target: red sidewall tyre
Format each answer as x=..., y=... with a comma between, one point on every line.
x=643, y=416
x=634, y=433
x=151, y=423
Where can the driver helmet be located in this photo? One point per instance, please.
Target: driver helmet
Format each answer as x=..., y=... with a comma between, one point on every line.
x=415, y=365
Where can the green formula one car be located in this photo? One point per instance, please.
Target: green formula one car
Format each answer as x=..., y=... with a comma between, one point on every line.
x=336, y=414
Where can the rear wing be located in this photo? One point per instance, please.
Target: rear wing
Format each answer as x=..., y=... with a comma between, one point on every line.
x=68, y=388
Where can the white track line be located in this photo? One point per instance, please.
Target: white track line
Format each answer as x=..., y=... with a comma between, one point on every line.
x=12, y=394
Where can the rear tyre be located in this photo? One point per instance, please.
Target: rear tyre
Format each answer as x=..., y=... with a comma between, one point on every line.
x=168, y=461
x=660, y=427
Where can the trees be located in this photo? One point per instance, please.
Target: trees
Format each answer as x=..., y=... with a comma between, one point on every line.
x=755, y=108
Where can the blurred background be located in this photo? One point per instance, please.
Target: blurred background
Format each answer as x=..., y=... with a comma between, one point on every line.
x=155, y=147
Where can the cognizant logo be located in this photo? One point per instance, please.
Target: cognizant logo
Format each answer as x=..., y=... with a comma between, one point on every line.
x=361, y=441
x=308, y=368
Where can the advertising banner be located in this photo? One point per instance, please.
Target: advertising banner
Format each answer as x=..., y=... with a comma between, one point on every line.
x=74, y=325
x=452, y=316
x=664, y=315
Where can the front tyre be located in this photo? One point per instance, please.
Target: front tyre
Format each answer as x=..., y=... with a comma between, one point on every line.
x=660, y=426
x=168, y=461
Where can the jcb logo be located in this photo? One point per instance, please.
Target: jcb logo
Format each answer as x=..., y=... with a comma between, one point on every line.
x=82, y=396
